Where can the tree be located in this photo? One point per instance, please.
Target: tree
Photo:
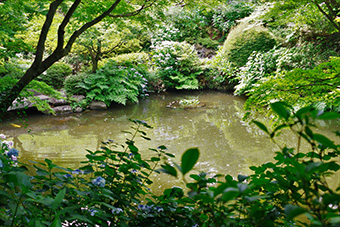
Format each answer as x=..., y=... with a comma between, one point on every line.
x=101, y=41
x=79, y=16
x=329, y=8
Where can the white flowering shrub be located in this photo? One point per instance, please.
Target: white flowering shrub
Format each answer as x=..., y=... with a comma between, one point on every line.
x=164, y=32
x=176, y=64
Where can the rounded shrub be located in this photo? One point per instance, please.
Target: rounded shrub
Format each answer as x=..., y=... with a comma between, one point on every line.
x=71, y=84
x=243, y=40
x=177, y=64
x=134, y=58
x=56, y=74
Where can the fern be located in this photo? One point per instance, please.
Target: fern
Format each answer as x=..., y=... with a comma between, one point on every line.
x=115, y=83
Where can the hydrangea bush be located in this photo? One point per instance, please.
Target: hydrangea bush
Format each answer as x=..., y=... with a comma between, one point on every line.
x=176, y=64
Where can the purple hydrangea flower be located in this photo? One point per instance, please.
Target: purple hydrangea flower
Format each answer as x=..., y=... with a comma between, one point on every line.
x=99, y=181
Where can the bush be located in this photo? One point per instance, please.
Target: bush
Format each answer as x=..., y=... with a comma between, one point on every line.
x=56, y=74
x=116, y=83
x=261, y=65
x=15, y=67
x=243, y=40
x=208, y=43
x=176, y=64
x=134, y=58
x=71, y=84
x=299, y=87
x=218, y=73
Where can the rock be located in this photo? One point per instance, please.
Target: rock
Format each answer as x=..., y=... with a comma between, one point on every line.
x=20, y=104
x=97, y=105
x=63, y=109
x=43, y=97
x=185, y=104
x=78, y=98
x=57, y=102
x=78, y=110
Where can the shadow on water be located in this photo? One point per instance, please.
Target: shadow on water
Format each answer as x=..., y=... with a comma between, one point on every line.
x=228, y=145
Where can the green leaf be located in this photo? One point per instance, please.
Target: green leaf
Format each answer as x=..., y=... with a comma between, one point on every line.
x=189, y=159
x=168, y=169
x=280, y=109
x=242, y=187
x=324, y=141
x=261, y=126
x=155, y=159
x=329, y=116
x=56, y=222
x=58, y=199
x=293, y=211
x=241, y=178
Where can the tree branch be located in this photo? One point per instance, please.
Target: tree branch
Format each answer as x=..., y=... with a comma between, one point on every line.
x=113, y=48
x=61, y=29
x=43, y=35
x=77, y=33
x=136, y=12
x=337, y=26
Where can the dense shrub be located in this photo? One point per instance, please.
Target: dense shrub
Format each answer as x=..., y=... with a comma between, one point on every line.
x=56, y=74
x=208, y=43
x=71, y=84
x=243, y=40
x=261, y=65
x=164, y=32
x=116, y=83
x=15, y=67
x=176, y=64
x=218, y=73
x=134, y=58
x=300, y=87
x=226, y=15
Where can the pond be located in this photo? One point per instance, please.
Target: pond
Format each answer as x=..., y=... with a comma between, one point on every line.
x=227, y=144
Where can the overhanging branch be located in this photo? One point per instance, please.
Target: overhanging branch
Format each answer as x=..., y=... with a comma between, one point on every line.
x=146, y=5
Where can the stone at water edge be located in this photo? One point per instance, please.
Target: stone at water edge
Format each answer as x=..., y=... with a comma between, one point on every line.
x=97, y=105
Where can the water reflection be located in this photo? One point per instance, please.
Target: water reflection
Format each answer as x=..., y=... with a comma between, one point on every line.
x=227, y=144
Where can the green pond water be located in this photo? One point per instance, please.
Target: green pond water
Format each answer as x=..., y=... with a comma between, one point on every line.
x=227, y=144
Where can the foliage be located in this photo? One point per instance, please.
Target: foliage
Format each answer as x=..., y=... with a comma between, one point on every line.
x=56, y=74
x=314, y=15
x=104, y=41
x=14, y=16
x=134, y=58
x=218, y=73
x=299, y=87
x=78, y=17
x=15, y=67
x=111, y=187
x=208, y=43
x=226, y=16
x=263, y=64
x=177, y=64
x=116, y=83
x=243, y=40
x=164, y=32
x=27, y=96
x=106, y=190
x=71, y=84
x=214, y=21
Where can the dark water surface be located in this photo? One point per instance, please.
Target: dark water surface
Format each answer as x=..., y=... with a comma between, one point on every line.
x=227, y=144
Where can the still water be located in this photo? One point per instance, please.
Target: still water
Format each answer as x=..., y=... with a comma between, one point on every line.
x=227, y=144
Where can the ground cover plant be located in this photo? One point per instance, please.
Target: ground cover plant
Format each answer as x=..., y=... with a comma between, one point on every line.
x=111, y=187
